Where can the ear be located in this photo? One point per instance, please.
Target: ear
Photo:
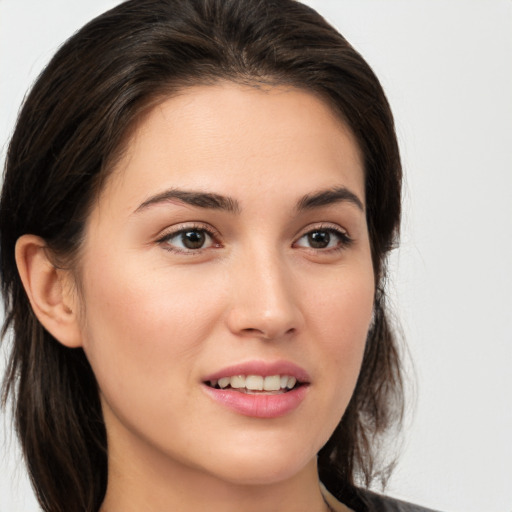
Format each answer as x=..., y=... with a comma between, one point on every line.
x=50, y=291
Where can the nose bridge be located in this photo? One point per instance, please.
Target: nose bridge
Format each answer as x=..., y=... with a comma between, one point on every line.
x=264, y=303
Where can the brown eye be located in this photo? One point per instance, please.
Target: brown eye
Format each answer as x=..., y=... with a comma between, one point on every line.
x=319, y=239
x=186, y=240
x=193, y=239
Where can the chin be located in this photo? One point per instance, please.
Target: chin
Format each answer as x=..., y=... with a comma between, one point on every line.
x=261, y=476
x=259, y=467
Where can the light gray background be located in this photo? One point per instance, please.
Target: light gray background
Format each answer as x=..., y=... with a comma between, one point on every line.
x=447, y=69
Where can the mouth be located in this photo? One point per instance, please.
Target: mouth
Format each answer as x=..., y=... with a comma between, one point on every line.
x=259, y=389
x=257, y=384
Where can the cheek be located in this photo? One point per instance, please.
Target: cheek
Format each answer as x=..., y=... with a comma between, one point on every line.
x=144, y=325
x=341, y=313
x=342, y=308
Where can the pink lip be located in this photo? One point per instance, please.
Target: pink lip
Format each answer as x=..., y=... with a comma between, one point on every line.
x=260, y=405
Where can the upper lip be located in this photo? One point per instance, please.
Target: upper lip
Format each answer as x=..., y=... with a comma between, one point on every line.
x=263, y=368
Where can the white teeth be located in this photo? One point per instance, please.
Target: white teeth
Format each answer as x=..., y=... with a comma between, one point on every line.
x=224, y=382
x=256, y=382
x=237, y=381
x=272, y=383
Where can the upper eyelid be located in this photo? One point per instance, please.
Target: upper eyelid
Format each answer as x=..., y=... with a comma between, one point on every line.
x=163, y=238
x=345, y=240
x=322, y=226
x=186, y=226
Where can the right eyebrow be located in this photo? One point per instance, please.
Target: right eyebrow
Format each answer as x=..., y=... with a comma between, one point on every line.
x=328, y=197
x=194, y=198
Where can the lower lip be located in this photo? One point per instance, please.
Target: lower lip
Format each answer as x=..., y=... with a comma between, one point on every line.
x=259, y=405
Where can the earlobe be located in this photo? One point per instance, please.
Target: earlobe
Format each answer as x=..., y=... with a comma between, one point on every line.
x=49, y=290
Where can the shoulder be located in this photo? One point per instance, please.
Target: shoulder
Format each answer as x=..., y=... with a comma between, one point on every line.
x=377, y=503
x=361, y=500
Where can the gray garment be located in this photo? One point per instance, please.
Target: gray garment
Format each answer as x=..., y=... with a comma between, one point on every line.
x=373, y=502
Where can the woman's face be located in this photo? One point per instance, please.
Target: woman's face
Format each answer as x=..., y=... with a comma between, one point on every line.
x=229, y=242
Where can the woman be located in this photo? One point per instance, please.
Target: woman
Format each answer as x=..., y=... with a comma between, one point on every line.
x=198, y=204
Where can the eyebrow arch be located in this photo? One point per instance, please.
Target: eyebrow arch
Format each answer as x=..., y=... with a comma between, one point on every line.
x=200, y=199
x=327, y=197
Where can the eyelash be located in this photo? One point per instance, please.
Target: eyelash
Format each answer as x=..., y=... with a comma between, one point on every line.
x=344, y=240
x=165, y=238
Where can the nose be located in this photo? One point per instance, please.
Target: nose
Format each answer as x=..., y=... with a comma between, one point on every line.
x=264, y=301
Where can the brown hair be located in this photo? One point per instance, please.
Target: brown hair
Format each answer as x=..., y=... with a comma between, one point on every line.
x=71, y=127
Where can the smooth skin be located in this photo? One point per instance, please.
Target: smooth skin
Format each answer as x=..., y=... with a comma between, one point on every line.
x=259, y=277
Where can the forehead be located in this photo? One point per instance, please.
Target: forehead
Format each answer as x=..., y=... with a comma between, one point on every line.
x=233, y=139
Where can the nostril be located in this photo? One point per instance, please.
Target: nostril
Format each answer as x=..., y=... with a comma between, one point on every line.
x=268, y=334
x=247, y=319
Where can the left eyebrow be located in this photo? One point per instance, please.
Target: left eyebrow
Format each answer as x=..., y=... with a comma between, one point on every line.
x=328, y=197
x=199, y=199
